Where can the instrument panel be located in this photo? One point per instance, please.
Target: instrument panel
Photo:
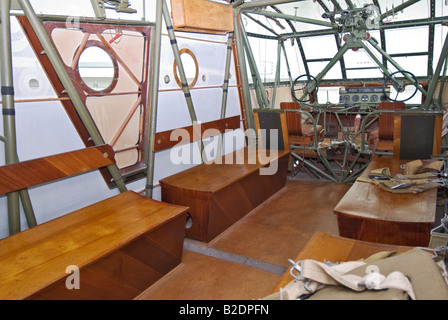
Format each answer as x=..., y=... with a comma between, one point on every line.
x=362, y=95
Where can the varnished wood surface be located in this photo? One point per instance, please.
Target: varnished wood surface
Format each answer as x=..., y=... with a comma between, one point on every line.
x=386, y=120
x=293, y=119
x=200, y=277
x=366, y=200
x=280, y=227
x=215, y=176
x=369, y=213
x=199, y=16
x=218, y=195
x=37, y=258
x=274, y=232
x=325, y=247
x=128, y=271
x=163, y=140
x=30, y=173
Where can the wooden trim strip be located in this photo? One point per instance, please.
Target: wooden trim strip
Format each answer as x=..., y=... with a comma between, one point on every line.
x=22, y=175
x=162, y=140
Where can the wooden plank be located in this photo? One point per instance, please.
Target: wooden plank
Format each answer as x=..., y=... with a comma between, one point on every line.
x=325, y=247
x=37, y=258
x=162, y=140
x=30, y=173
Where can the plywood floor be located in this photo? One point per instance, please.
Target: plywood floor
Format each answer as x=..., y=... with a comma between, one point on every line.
x=247, y=260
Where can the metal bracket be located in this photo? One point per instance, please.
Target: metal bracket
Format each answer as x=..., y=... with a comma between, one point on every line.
x=99, y=7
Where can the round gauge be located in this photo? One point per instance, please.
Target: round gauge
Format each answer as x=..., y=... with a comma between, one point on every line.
x=374, y=98
x=365, y=98
x=355, y=98
x=346, y=99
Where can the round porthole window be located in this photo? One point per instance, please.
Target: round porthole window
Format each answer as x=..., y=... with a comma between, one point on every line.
x=97, y=68
x=34, y=84
x=191, y=68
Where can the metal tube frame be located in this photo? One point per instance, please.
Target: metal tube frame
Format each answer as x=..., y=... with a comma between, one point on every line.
x=258, y=88
x=442, y=83
x=331, y=175
x=154, y=96
x=242, y=66
x=277, y=73
x=433, y=84
x=385, y=55
x=287, y=62
x=251, y=59
x=293, y=18
x=9, y=111
x=348, y=175
x=182, y=76
x=9, y=125
x=225, y=87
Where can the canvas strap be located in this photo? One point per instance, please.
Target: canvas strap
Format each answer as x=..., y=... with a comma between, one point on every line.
x=311, y=276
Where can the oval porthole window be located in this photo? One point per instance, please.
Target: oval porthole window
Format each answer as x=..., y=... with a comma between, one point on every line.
x=191, y=68
x=97, y=69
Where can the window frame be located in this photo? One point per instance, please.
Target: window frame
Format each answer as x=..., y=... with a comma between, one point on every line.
x=138, y=170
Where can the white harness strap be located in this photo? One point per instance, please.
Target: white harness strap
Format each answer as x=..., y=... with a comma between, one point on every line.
x=312, y=276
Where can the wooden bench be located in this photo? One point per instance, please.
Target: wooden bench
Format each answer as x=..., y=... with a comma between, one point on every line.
x=222, y=192
x=120, y=246
x=218, y=195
